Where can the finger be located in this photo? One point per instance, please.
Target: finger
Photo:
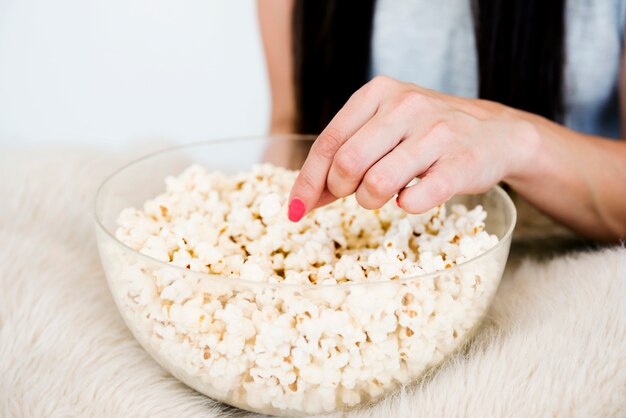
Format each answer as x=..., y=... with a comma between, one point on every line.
x=311, y=181
x=442, y=181
x=394, y=171
x=325, y=198
x=373, y=141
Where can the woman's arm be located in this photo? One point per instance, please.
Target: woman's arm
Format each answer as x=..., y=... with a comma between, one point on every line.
x=275, y=19
x=390, y=132
x=579, y=179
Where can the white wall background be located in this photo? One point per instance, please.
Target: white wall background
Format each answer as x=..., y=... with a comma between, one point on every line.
x=115, y=72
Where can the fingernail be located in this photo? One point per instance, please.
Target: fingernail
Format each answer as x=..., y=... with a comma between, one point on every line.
x=296, y=210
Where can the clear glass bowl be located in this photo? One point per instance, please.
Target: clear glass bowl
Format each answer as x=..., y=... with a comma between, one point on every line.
x=287, y=349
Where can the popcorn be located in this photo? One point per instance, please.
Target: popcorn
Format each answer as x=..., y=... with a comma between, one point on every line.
x=270, y=206
x=177, y=292
x=330, y=312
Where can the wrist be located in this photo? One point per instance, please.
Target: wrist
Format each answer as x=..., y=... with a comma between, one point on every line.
x=526, y=144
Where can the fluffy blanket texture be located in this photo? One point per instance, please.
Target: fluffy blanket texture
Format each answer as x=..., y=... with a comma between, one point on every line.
x=554, y=343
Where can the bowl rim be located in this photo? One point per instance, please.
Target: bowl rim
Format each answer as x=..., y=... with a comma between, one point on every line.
x=504, y=241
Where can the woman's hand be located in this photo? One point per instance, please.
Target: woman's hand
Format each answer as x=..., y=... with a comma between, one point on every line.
x=390, y=132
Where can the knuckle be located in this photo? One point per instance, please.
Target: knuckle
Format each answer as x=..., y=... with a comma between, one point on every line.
x=379, y=183
x=366, y=201
x=412, y=101
x=441, y=132
x=337, y=189
x=382, y=80
x=346, y=162
x=379, y=84
x=328, y=143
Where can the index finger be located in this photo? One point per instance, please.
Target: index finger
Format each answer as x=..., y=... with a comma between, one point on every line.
x=311, y=181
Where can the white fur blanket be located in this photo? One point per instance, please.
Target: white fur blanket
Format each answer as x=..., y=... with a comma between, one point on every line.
x=554, y=343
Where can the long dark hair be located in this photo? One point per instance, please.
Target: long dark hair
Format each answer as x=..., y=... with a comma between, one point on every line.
x=520, y=46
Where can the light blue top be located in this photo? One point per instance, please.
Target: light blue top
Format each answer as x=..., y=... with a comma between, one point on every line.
x=432, y=44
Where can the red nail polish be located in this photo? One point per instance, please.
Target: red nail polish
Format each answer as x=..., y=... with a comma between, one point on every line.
x=296, y=210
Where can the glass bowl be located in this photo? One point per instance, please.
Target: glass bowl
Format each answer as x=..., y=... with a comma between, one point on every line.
x=286, y=349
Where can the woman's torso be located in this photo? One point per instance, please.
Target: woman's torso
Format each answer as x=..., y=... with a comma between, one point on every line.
x=432, y=44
